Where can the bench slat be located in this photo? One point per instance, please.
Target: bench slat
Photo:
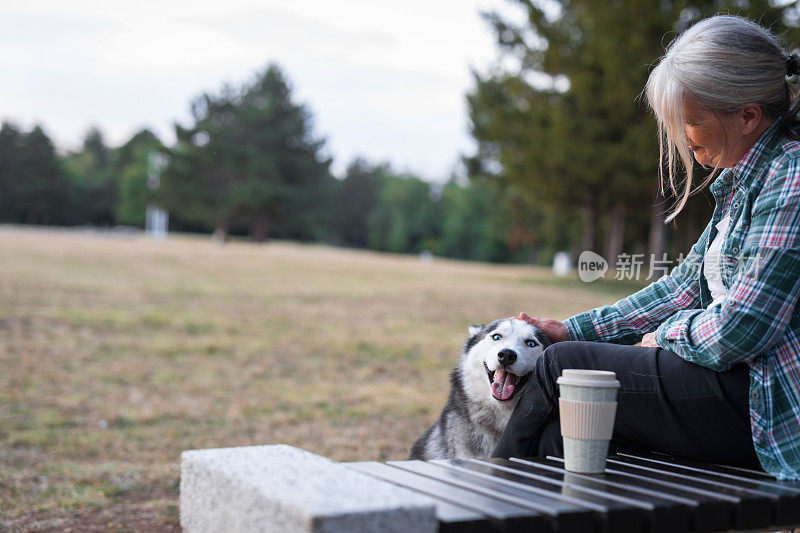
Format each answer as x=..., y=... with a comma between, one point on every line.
x=713, y=467
x=769, y=483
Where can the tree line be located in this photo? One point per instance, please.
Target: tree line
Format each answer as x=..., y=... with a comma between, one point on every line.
x=249, y=165
x=96, y=185
x=566, y=154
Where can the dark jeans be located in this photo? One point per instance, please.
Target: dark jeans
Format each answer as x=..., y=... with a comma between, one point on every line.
x=665, y=404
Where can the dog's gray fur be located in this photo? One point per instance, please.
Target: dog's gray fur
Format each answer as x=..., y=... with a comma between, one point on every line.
x=472, y=421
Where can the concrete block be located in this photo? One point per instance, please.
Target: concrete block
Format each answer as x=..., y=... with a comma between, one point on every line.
x=281, y=488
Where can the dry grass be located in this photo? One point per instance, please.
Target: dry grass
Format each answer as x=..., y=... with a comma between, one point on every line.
x=118, y=353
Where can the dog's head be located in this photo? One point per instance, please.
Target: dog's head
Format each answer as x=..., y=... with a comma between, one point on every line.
x=502, y=355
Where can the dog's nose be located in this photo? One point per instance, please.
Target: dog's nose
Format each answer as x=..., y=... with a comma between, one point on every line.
x=507, y=357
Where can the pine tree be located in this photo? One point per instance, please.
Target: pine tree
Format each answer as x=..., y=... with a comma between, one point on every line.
x=11, y=146
x=250, y=159
x=41, y=189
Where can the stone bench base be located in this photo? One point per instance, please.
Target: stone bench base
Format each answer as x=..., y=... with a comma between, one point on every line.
x=286, y=489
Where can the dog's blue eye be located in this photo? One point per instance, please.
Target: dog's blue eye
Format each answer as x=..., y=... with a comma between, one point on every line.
x=530, y=343
x=497, y=336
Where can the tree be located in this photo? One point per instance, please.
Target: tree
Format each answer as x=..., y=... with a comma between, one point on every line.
x=406, y=218
x=250, y=158
x=131, y=166
x=93, y=184
x=41, y=189
x=475, y=222
x=11, y=146
x=354, y=201
x=574, y=132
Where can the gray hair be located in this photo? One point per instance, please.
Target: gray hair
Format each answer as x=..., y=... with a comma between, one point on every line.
x=721, y=64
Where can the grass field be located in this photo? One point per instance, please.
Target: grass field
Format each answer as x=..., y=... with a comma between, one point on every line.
x=118, y=353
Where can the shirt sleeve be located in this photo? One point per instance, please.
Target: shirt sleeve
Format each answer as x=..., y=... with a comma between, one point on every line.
x=627, y=320
x=764, y=289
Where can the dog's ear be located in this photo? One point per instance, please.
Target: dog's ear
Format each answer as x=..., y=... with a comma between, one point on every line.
x=543, y=338
x=474, y=330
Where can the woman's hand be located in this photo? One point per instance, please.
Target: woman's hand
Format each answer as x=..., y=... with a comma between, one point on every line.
x=649, y=340
x=554, y=329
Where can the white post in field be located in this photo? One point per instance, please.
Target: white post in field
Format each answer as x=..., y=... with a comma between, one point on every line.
x=562, y=265
x=156, y=219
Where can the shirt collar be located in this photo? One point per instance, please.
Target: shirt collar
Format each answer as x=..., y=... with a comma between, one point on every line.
x=745, y=170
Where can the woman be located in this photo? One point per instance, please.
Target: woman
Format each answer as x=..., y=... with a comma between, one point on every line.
x=717, y=375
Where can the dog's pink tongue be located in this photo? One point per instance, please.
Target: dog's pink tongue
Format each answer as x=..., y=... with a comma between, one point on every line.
x=503, y=384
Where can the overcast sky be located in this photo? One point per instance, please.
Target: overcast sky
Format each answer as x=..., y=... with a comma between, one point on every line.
x=383, y=79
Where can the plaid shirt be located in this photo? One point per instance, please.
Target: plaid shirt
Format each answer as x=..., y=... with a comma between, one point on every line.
x=759, y=321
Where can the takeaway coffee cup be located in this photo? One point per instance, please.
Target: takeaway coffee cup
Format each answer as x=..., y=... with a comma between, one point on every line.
x=587, y=408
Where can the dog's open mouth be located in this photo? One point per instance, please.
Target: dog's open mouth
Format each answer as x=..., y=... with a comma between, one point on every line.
x=504, y=383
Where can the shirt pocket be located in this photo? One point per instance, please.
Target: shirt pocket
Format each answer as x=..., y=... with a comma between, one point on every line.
x=731, y=253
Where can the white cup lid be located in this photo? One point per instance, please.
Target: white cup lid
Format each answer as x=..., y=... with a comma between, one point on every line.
x=588, y=378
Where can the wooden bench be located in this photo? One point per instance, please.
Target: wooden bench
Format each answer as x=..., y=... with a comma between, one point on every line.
x=280, y=488
x=637, y=493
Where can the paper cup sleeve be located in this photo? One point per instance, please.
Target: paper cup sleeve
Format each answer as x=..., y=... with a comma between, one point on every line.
x=587, y=420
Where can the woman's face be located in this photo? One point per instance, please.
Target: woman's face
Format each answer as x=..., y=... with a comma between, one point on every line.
x=712, y=137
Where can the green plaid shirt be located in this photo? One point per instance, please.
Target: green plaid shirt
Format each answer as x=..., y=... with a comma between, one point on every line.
x=759, y=321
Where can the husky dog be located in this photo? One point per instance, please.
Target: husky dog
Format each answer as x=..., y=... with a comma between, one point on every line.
x=495, y=366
